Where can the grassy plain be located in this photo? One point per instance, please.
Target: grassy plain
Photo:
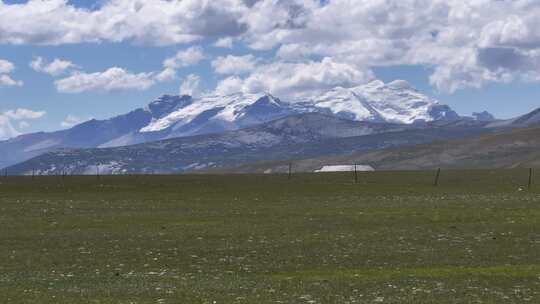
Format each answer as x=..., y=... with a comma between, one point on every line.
x=318, y=238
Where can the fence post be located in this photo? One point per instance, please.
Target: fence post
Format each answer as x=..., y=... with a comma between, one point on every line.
x=437, y=176
x=530, y=177
x=290, y=170
x=97, y=171
x=355, y=175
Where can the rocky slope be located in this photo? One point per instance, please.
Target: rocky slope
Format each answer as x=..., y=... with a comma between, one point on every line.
x=294, y=137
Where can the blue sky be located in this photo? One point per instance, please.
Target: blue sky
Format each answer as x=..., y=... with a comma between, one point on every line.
x=486, y=63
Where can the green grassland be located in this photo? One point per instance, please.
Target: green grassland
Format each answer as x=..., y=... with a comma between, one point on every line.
x=317, y=238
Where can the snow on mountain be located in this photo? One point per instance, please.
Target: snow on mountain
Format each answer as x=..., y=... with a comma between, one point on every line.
x=179, y=116
x=215, y=113
x=344, y=103
x=395, y=102
x=399, y=102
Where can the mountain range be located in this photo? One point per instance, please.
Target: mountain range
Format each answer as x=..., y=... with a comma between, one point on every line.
x=183, y=134
x=293, y=137
x=179, y=116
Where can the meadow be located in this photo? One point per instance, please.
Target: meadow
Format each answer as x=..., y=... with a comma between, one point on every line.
x=391, y=237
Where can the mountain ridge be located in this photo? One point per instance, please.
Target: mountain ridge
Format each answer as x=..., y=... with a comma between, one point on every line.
x=293, y=137
x=171, y=116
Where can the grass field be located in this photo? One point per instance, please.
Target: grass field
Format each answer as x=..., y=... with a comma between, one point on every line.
x=391, y=238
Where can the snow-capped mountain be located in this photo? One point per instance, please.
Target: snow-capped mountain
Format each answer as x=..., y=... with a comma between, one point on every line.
x=395, y=102
x=216, y=113
x=179, y=116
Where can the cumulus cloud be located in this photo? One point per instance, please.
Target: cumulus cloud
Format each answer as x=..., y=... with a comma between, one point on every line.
x=6, y=80
x=6, y=128
x=112, y=79
x=168, y=74
x=117, y=78
x=464, y=43
x=155, y=22
x=8, y=119
x=230, y=85
x=7, y=67
x=20, y=114
x=234, y=64
x=191, y=85
x=297, y=80
x=226, y=42
x=54, y=68
x=185, y=58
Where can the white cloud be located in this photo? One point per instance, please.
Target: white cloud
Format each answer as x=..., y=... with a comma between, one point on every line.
x=450, y=36
x=24, y=125
x=117, y=78
x=8, y=118
x=20, y=114
x=293, y=51
x=168, y=74
x=234, y=64
x=54, y=68
x=191, y=86
x=71, y=121
x=439, y=34
x=6, y=80
x=226, y=42
x=185, y=58
x=112, y=79
x=230, y=85
x=6, y=128
x=297, y=80
x=155, y=22
x=7, y=67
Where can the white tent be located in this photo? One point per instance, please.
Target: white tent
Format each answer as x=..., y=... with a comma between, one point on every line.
x=346, y=168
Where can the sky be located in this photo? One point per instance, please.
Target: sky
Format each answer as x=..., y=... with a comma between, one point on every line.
x=63, y=62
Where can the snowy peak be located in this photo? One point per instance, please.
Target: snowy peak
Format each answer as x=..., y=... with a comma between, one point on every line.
x=398, y=101
x=264, y=109
x=395, y=102
x=344, y=103
x=218, y=113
